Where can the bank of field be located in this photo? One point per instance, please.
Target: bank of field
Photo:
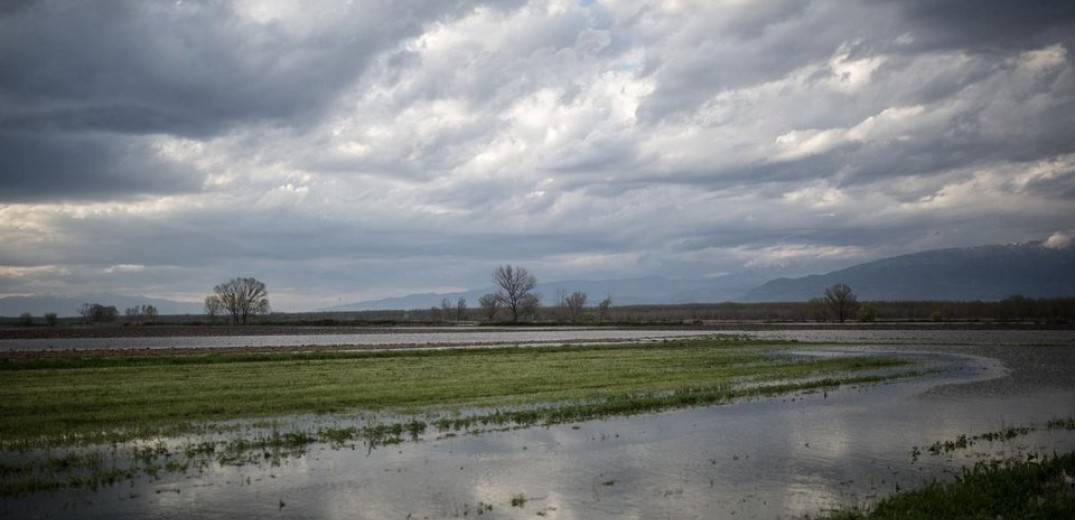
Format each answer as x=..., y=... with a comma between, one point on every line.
x=47, y=400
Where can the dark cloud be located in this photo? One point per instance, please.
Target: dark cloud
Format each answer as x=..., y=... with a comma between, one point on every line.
x=78, y=79
x=187, y=68
x=992, y=26
x=48, y=166
x=732, y=49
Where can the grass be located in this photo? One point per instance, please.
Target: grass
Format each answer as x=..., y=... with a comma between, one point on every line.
x=118, y=399
x=963, y=441
x=167, y=414
x=1013, y=489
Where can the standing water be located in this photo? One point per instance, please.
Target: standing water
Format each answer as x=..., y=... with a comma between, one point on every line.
x=766, y=458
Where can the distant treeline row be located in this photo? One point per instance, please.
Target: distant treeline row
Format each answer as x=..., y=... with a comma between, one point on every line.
x=1044, y=310
x=1052, y=310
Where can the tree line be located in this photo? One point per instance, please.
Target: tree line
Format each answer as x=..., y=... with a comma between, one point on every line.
x=514, y=299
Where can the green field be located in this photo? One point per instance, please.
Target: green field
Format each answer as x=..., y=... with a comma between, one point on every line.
x=47, y=401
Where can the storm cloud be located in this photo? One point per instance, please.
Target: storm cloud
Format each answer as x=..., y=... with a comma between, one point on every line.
x=349, y=151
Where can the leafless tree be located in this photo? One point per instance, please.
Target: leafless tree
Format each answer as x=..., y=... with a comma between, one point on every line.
x=604, y=308
x=213, y=306
x=447, y=310
x=529, y=305
x=841, y=301
x=490, y=304
x=242, y=297
x=460, y=309
x=95, y=312
x=574, y=304
x=141, y=313
x=515, y=285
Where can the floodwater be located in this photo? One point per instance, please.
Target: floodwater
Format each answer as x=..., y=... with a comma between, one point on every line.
x=475, y=336
x=447, y=337
x=768, y=458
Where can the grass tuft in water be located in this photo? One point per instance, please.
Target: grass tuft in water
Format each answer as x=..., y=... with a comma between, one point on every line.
x=1012, y=489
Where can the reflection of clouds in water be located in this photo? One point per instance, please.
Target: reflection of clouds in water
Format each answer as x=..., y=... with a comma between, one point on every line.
x=805, y=497
x=764, y=458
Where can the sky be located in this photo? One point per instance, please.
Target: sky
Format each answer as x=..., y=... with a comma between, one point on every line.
x=349, y=151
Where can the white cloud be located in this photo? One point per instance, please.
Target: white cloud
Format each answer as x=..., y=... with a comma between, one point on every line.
x=9, y=271
x=783, y=255
x=125, y=268
x=1060, y=240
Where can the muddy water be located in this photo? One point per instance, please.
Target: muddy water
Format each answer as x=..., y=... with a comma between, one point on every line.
x=770, y=458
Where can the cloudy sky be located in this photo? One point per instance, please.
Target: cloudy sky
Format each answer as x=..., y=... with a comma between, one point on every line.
x=345, y=151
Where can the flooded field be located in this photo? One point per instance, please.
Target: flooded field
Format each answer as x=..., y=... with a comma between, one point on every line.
x=475, y=336
x=455, y=336
x=767, y=457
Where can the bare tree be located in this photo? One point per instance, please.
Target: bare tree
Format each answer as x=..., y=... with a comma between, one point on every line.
x=447, y=310
x=95, y=312
x=460, y=309
x=490, y=304
x=529, y=305
x=213, y=306
x=574, y=304
x=603, y=308
x=515, y=285
x=841, y=301
x=242, y=297
x=141, y=313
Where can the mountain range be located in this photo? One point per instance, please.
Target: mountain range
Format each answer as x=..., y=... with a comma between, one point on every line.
x=973, y=273
x=68, y=306
x=626, y=291
x=960, y=274
x=963, y=274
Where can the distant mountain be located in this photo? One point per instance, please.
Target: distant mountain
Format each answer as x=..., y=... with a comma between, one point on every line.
x=962, y=274
x=626, y=291
x=67, y=306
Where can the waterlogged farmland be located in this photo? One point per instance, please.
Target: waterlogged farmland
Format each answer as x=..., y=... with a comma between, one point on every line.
x=402, y=337
x=682, y=429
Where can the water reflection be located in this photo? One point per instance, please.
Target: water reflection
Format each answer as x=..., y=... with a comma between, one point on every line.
x=768, y=458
